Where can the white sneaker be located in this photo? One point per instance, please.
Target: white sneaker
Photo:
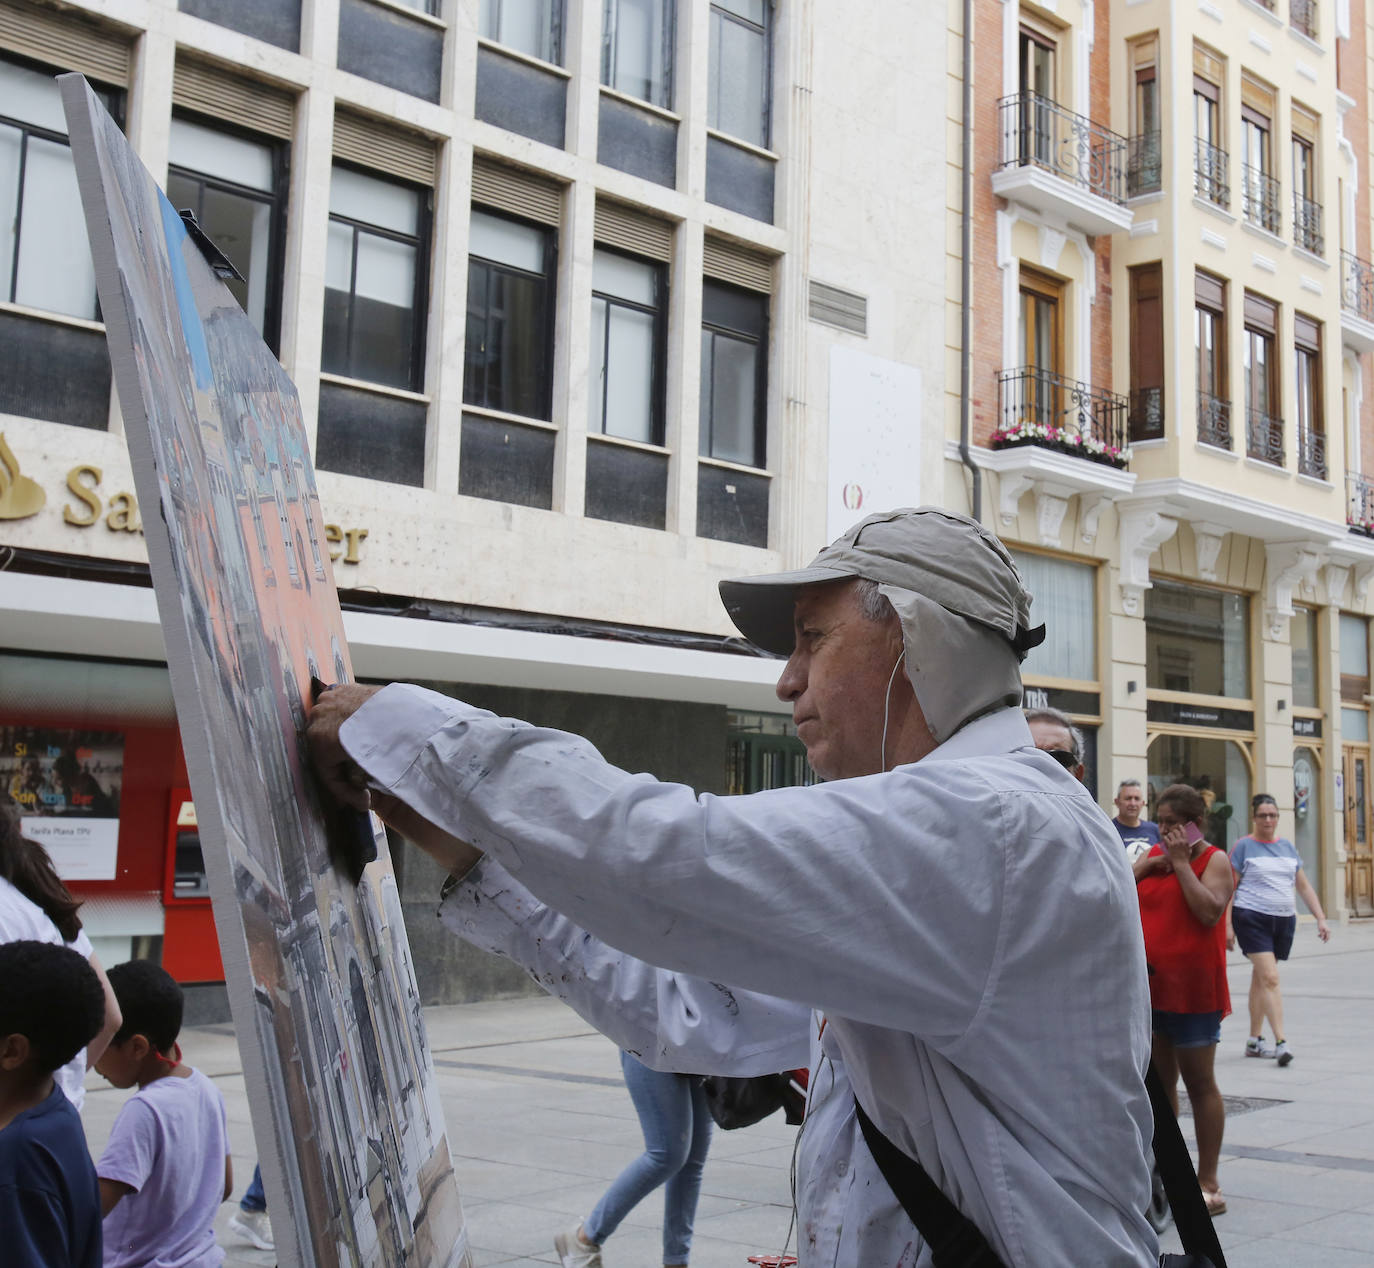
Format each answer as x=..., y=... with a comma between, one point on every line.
x=1281, y=1053
x=573, y=1252
x=253, y=1227
x=1256, y=1047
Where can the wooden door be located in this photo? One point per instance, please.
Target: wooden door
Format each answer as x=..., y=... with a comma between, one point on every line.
x=1359, y=840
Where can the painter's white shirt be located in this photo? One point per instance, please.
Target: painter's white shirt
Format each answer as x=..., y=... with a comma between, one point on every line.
x=967, y=923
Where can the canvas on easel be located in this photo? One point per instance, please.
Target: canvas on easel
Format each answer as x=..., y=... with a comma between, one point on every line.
x=318, y=969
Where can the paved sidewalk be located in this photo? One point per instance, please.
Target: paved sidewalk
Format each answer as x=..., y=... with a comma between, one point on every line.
x=539, y=1122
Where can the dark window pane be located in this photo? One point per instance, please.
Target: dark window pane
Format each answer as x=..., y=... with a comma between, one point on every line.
x=383, y=335
x=369, y=434
x=390, y=48
x=629, y=486
x=334, y=354
x=242, y=228
x=732, y=506
x=631, y=139
x=54, y=372
x=520, y=97
x=506, y=462
x=273, y=21
x=739, y=179
x=507, y=341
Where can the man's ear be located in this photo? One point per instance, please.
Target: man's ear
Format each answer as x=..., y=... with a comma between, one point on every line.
x=14, y=1051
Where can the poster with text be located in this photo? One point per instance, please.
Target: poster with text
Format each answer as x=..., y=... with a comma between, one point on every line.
x=321, y=984
x=66, y=784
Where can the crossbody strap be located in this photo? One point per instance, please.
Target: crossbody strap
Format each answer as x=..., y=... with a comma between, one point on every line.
x=953, y=1238
x=1191, y=1217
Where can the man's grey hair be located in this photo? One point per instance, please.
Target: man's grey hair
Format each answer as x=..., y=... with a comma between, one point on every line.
x=873, y=603
x=1129, y=783
x=1057, y=718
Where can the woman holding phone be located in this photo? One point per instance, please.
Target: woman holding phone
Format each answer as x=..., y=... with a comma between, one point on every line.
x=1184, y=886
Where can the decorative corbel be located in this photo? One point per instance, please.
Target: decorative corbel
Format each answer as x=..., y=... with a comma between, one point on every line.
x=1207, y=538
x=1335, y=577
x=1050, y=506
x=1141, y=533
x=1090, y=508
x=1288, y=565
x=1010, y=486
x=1364, y=573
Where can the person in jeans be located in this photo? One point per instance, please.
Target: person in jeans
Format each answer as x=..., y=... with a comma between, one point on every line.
x=250, y=1221
x=676, y=1123
x=1263, y=918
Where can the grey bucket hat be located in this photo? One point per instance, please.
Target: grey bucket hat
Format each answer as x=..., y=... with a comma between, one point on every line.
x=965, y=615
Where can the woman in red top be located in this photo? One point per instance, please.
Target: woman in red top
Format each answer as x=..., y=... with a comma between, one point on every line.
x=1184, y=885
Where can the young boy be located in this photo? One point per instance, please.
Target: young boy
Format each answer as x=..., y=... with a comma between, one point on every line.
x=51, y=1006
x=166, y=1168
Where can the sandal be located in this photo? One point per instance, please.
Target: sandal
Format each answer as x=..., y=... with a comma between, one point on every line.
x=1216, y=1204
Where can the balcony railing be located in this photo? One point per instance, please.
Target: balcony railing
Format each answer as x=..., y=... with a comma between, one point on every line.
x=1357, y=286
x=1143, y=164
x=1311, y=453
x=1146, y=421
x=1211, y=179
x=1263, y=437
x=1040, y=407
x=1213, y=421
x=1307, y=225
x=1359, y=511
x=1261, y=198
x=1303, y=16
x=1041, y=133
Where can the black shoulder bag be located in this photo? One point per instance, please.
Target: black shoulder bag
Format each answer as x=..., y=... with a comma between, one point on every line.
x=956, y=1242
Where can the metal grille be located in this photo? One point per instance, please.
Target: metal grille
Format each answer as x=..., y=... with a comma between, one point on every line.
x=1359, y=512
x=1357, y=286
x=67, y=40
x=1264, y=437
x=1311, y=453
x=515, y=190
x=1211, y=178
x=221, y=94
x=1213, y=421
x=1070, y=412
x=1147, y=414
x=620, y=226
x=1261, y=204
x=374, y=144
x=727, y=262
x=1143, y=164
x=1307, y=225
x=1038, y=132
x=844, y=310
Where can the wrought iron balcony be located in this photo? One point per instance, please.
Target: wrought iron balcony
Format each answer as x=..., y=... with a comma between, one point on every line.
x=1261, y=204
x=1213, y=421
x=1146, y=421
x=1302, y=14
x=1311, y=453
x=1211, y=176
x=1143, y=164
x=1263, y=437
x=1307, y=225
x=1040, y=407
x=1359, y=510
x=1038, y=132
x=1357, y=286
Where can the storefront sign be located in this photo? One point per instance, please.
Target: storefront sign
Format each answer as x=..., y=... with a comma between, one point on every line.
x=1308, y=728
x=66, y=783
x=1178, y=714
x=1064, y=699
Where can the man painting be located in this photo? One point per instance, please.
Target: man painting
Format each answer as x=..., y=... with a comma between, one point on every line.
x=946, y=930
x=1137, y=834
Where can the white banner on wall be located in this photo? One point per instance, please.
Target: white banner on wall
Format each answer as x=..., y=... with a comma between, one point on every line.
x=875, y=437
x=81, y=849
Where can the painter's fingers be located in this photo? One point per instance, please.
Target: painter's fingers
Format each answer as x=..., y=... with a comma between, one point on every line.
x=342, y=776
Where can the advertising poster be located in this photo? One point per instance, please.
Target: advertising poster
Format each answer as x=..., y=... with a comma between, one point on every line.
x=340, y=1079
x=66, y=783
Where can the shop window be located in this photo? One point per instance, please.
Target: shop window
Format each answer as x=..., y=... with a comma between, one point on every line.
x=1197, y=640
x=1307, y=817
x=375, y=268
x=1302, y=639
x=738, y=102
x=44, y=259
x=637, y=49
x=1066, y=602
x=1354, y=634
x=235, y=185
x=1217, y=768
x=533, y=27
x=734, y=369
x=508, y=361
x=762, y=752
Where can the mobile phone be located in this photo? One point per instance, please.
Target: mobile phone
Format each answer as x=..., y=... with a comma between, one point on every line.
x=1192, y=832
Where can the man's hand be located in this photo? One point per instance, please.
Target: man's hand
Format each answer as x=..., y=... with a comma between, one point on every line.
x=339, y=773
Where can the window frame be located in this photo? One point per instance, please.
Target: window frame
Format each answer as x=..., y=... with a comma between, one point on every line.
x=113, y=98
x=713, y=76
x=422, y=241
x=1307, y=344
x=760, y=340
x=659, y=369
x=1261, y=323
x=557, y=24
x=1209, y=297
x=1038, y=288
x=549, y=277
x=610, y=47
x=278, y=200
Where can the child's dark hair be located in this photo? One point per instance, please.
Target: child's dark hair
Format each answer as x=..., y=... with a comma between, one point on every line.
x=150, y=1001
x=51, y=996
x=26, y=865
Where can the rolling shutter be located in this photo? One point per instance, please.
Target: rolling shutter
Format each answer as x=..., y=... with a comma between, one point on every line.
x=393, y=151
x=221, y=94
x=66, y=40
x=729, y=262
x=514, y=190
x=632, y=230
